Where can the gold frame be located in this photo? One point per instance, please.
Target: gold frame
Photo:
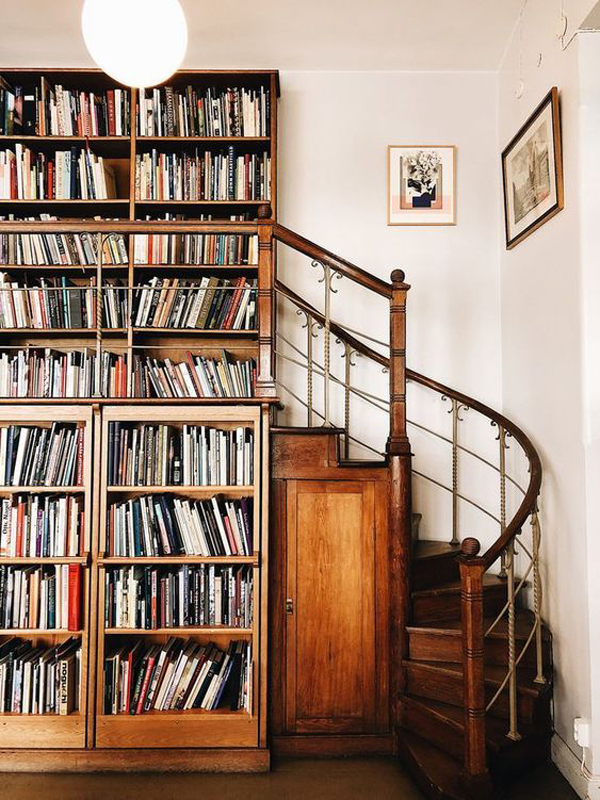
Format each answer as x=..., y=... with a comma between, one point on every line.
x=454, y=149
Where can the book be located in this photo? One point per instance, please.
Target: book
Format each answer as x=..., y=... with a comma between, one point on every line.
x=179, y=675
x=198, y=376
x=41, y=526
x=44, y=598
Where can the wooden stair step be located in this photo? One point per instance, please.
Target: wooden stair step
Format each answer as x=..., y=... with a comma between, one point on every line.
x=442, y=641
x=444, y=681
x=305, y=431
x=362, y=463
x=437, y=774
x=442, y=602
x=442, y=724
x=433, y=562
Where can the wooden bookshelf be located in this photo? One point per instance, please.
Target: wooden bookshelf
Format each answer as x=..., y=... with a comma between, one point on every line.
x=36, y=730
x=88, y=737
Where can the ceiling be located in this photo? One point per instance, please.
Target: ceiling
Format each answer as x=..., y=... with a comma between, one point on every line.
x=290, y=34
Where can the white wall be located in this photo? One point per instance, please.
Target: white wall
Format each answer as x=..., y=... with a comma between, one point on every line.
x=542, y=347
x=335, y=128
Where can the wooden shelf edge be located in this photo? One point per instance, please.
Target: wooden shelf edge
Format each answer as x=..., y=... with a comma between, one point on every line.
x=247, y=759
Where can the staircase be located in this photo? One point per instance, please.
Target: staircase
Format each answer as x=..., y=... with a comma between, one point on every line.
x=471, y=674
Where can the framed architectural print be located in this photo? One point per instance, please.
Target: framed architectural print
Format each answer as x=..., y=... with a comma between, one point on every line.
x=532, y=172
x=421, y=184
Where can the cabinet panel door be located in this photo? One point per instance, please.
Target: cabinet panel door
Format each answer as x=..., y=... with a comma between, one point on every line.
x=331, y=625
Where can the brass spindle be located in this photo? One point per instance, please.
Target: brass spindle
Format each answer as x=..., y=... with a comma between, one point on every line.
x=537, y=596
x=327, y=344
x=513, y=732
x=309, y=371
x=348, y=351
x=502, y=441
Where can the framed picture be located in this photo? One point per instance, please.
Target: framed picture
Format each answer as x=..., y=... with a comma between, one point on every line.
x=421, y=184
x=532, y=172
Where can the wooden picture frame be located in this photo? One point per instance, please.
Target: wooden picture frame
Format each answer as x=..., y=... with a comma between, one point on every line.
x=421, y=184
x=532, y=173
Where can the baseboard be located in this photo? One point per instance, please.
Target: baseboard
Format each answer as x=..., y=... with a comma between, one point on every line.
x=333, y=746
x=586, y=786
x=136, y=760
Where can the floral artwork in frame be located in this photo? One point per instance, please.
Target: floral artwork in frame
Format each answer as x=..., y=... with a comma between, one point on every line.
x=421, y=185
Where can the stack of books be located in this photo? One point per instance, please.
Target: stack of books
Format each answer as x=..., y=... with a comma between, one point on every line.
x=202, y=176
x=219, y=249
x=75, y=174
x=178, y=676
x=178, y=597
x=45, y=372
x=207, y=304
x=167, y=111
x=197, y=377
x=40, y=456
x=37, y=679
x=48, y=303
x=41, y=526
x=165, y=525
x=57, y=249
x=44, y=598
x=46, y=110
x=193, y=455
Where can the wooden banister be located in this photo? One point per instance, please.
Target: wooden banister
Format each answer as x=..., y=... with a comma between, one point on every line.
x=472, y=570
x=346, y=268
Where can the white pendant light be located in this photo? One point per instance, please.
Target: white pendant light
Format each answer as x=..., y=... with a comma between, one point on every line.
x=137, y=42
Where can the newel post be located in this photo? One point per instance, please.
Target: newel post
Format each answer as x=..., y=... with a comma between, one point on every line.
x=472, y=570
x=265, y=380
x=398, y=455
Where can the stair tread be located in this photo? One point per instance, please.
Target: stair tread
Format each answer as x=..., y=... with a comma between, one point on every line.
x=454, y=587
x=523, y=624
x=431, y=548
x=443, y=772
x=361, y=462
x=495, y=729
x=494, y=674
x=300, y=431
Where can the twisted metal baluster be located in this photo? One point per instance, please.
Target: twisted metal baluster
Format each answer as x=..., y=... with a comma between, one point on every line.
x=347, y=355
x=310, y=335
x=513, y=732
x=537, y=595
x=456, y=418
x=328, y=274
x=501, y=438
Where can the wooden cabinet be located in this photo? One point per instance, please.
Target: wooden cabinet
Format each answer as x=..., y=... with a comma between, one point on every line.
x=330, y=616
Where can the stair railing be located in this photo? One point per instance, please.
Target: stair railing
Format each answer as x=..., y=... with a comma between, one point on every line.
x=390, y=358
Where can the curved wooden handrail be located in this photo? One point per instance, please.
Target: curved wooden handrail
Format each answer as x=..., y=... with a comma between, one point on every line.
x=535, y=473
x=312, y=250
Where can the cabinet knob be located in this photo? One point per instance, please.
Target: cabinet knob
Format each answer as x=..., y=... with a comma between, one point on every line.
x=289, y=606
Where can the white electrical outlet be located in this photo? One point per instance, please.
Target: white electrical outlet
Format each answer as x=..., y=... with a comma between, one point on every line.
x=581, y=731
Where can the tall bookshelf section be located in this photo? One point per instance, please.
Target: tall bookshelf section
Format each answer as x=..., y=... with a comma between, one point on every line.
x=39, y=726
x=145, y=283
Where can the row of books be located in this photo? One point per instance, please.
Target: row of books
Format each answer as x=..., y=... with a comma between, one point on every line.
x=208, y=304
x=140, y=454
x=44, y=372
x=235, y=111
x=149, y=598
x=40, y=679
x=48, y=303
x=34, y=455
x=75, y=174
x=44, y=598
x=177, y=676
x=198, y=376
x=222, y=249
x=202, y=176
x=53, y=110
x=57, y=249
x=41, y=526
x=165, y=525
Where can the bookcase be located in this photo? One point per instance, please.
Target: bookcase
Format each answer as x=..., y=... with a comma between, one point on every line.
x=76, y=348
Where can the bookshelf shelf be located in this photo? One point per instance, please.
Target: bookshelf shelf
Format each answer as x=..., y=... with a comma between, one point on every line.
x=219, y=731
x=185, y=631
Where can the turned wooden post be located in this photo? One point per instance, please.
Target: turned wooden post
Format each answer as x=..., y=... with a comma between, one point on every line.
x=265, y=381
x=398, y=455
x=472, y=570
